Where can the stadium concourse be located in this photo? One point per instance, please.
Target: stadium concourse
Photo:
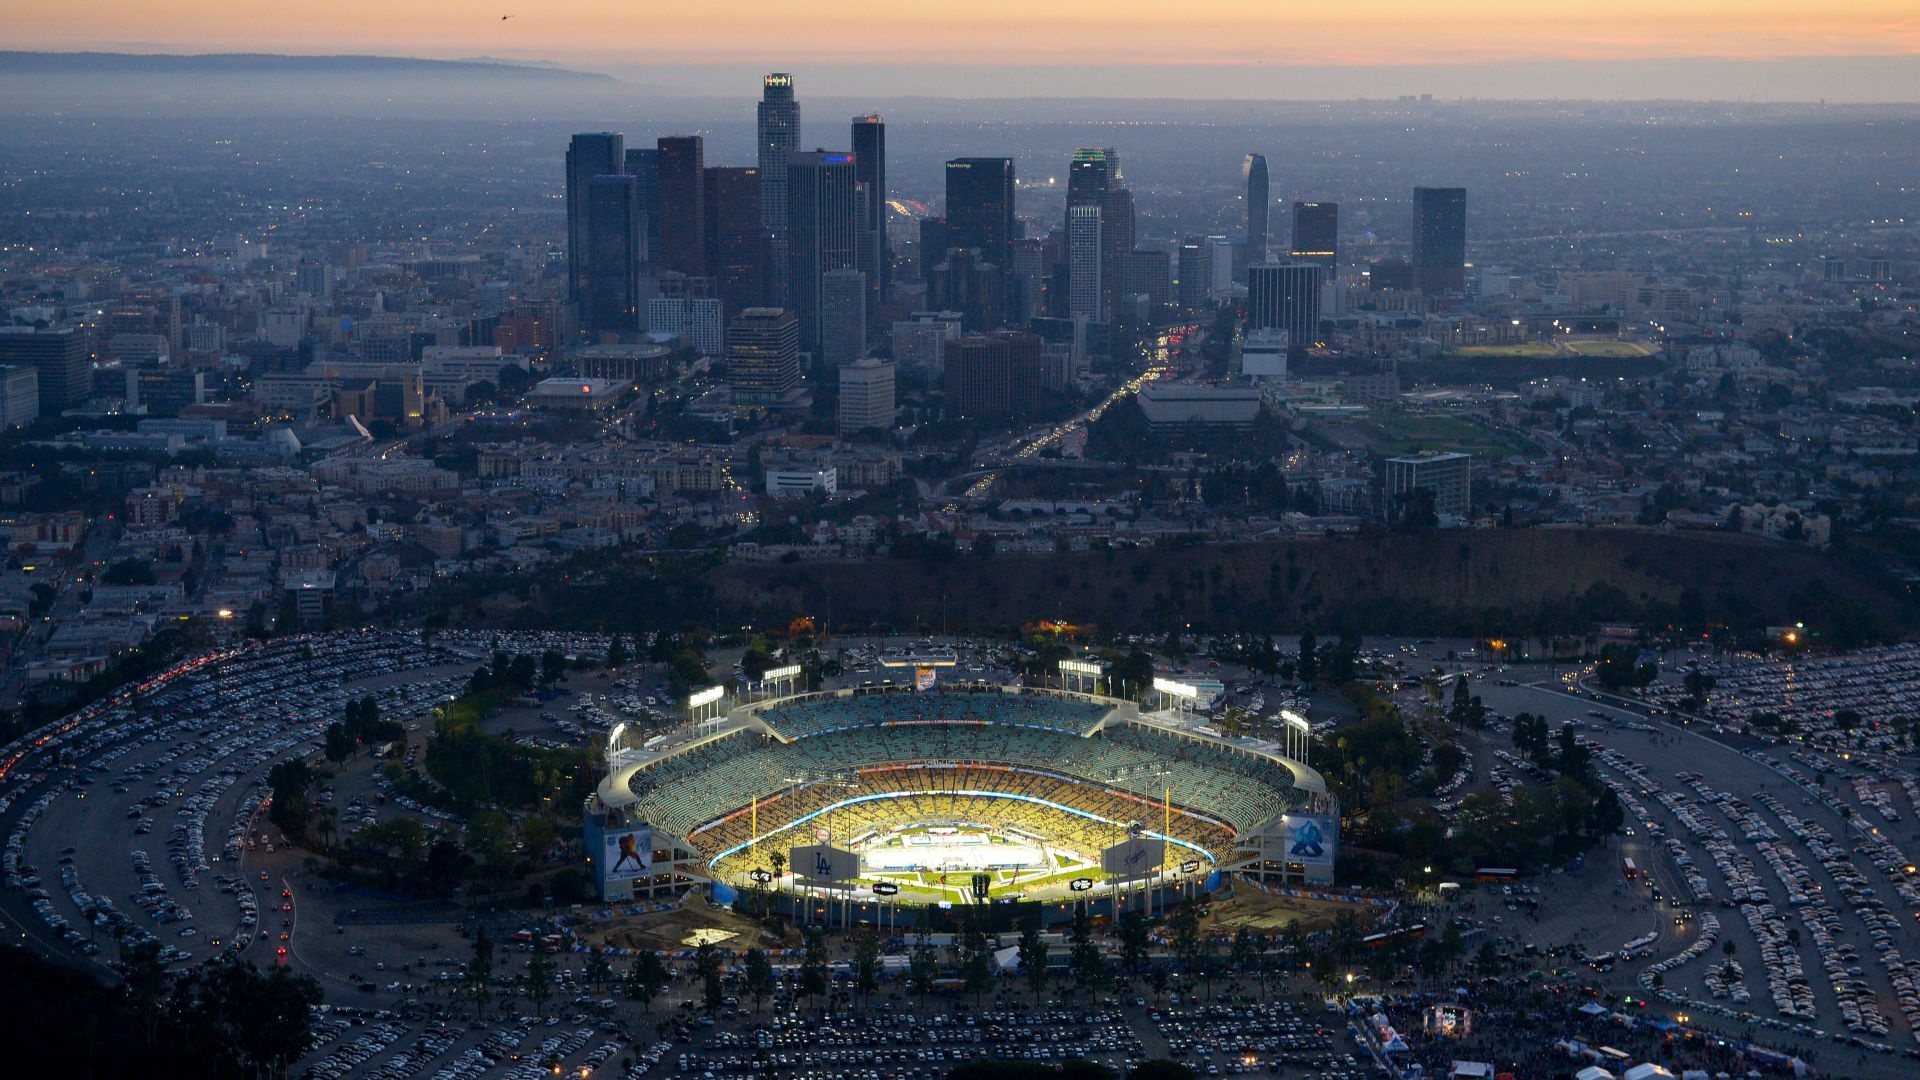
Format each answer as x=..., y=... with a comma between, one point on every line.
x=904, y=798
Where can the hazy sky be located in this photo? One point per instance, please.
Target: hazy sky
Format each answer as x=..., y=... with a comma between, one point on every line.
x=1163, y=43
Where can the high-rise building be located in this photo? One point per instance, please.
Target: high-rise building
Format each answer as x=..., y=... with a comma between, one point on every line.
x=1259, y=204
x=589, y=154
x=779, y=135
x=19, y=395
x=843, y=316
x=688, y=308
x=736, y=238
x=866, y=396
x=1316, y=236
x=57, y=356
x=1285, y=296
x=1447, y=476
x=1440, y=239
x=822, y=228
x=1083, y=261
x=980, y=207
x=763, y=355
x=993, y=376
x=920, y=343
x=1196, y=277
x=966, y=282
x=683, y=211
x=1148, y=274
x=643, y=164
x=870, y=172
x=933, y=243
x=616, y=252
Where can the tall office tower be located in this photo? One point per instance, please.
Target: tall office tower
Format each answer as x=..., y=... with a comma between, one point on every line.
x=1316, y=236
x=58, y=357
x=866, y=396
x=779, y=131
x=687, y=308
x=616, y=254
x=822, y=206
x=980, y=207
x=683, y=211
x=843, y=316
x=763, y=355
x=969, y=284
x=1440, y=239
x=1148, y=274
x=736, y=240
x=870, y=170
x=1026, y=278
x=643, y=164
x=1196, y=279
x=1259, y=203
x=934, y=232
x=993, y=376
x=590, y=154
x=1449, y=476
x=1083, y=261
x=1285, y=296
x=1094, y=179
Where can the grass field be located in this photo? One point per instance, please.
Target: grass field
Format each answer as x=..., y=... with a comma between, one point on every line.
x=1393, y=433
x=1594, y=348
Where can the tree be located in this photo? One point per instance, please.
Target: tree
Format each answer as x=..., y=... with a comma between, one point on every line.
x=1306, y=662
x=617, y=652
x=553, y=667
x=1132, y=932
x=1033, y=961
x=976, y=967
x=339, y=744
x=480, y=971
x=813, y=965
x=145, y=985
x=759, y=976
x=922, y=964
x=597, y=971
x=645, y=979
x=238, y=1021
x=538, y=833
x=866, y=965
x=539, y=980
x=1088, y=966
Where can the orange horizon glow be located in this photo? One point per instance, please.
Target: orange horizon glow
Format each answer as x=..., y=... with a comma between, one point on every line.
x=987, y=32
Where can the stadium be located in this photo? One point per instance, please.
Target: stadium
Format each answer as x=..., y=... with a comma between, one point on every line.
x=860, y=805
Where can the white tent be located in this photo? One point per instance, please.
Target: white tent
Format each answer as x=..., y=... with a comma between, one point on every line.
x=1593, y=1072
x=1647, y=1071
x=1472, y=1070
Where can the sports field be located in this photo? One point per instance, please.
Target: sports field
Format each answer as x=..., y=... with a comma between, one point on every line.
x=1601, y=348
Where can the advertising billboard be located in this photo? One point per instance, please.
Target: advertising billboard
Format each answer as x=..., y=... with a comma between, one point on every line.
x=626, y=854
x=823, y=863
x=923, y=678
x=1311, y=839
x=1135, y=856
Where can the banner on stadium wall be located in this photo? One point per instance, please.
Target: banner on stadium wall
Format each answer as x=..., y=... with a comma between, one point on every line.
x=923, y=678
x=1136, y=856
x=823, y=863
x=1312, y=838
x=626, y=854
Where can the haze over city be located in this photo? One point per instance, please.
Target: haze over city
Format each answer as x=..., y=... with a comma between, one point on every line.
x=1036, y=541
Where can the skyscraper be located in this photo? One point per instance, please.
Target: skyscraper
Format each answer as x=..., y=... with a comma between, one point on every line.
x=736, y=240
x=870, y=171
x=1316, y=236
x=1285, y=296
x=1439, y=239
x=843, y=316
x=822, y=209
x=682, y=203
x=57, y=356
x=763, y=355
x=590, y=154
x=643, y=164
x=1259, y=202
x=779, y=134
x=616, y=251
x=866, y=396
x=1196, y=278
x=1083, y=261
x=980, y=207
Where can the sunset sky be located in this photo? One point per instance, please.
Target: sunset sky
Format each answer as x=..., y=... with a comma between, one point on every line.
x=625, y=36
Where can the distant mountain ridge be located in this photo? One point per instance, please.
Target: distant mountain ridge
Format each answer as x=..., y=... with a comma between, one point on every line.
x=116, y=63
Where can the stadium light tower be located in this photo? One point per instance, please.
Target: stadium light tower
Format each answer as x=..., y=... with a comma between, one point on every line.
x=1299, y=736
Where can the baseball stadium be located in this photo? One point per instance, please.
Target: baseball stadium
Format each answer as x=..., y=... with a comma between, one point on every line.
x=858, y=800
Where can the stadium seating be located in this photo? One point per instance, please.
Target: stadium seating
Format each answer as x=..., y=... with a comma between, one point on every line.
x=847, y=741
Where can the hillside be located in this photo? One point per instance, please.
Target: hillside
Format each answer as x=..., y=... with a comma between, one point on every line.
x=1499, y=581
